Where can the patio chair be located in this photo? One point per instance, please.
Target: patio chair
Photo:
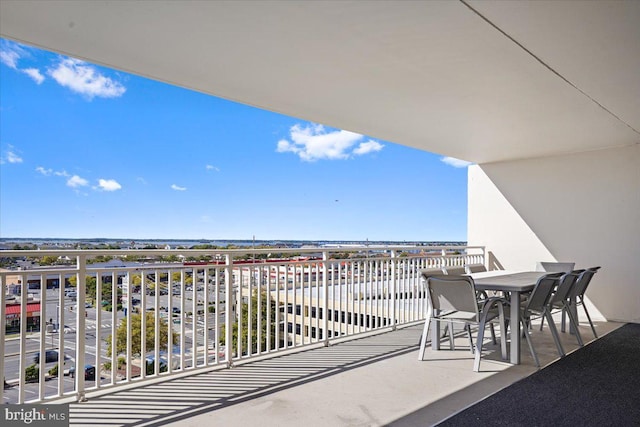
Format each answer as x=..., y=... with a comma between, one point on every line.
x=474, y=268
x=555, y=267
x=578, y=291
x=452, y=298
x=561, y=300
x=425, y=274
x=457, y=270
x=537, y=305
x=480, y=295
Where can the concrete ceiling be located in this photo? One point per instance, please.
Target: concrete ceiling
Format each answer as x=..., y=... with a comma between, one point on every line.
x=481, y=81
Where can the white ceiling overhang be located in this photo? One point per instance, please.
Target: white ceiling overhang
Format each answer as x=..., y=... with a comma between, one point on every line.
x=480, y=81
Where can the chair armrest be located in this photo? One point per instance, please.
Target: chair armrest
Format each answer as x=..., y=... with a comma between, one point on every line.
x=490, y=302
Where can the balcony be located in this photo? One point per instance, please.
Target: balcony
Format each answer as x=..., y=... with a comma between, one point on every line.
x=356, y=365
x=375, y=380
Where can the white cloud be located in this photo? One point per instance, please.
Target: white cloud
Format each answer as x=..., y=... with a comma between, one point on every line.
x=9, y=58
x=85, y=79
x=10, y=156
x=313, y=143
x=13, y=157
x=178, y=188
x=43, y=171
x=212, y=168
x=368, y=147
x=49, y=172
x=34, y=73
x=456, y=163
x=10, y=54
x=109, y=185
x=76, y=181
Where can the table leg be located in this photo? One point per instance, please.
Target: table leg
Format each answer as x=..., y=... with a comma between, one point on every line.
x=435, y=334
x=514, y=319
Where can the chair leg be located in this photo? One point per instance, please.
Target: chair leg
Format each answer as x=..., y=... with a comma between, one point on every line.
x=541, y=322
x=554, y=333
x=574, y=322
x=452, y=346
x=468, y=329
x=476, y=361
x=493, y=334
x=425, y=332
x=533, y=352
x=593, y=329
x=503, y=332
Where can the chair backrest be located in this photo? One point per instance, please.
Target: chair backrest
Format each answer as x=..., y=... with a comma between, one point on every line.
x=565, y=285
x=428, y=272
x=457, y=271
x=583, y=281
x=452, y=292
x=542, y=292
x=474, y=268
x=555, y=267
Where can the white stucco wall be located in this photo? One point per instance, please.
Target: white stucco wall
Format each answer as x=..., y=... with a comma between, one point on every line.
x=581, y=207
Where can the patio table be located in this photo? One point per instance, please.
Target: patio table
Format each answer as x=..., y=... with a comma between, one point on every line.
x=515, y=283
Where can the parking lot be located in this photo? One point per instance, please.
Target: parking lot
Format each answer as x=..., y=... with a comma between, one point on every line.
x=65, y=326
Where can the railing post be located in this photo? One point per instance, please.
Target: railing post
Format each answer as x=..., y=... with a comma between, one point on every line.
x=393, y=288
x=325, y=298
x=3, y=326
x=23, y=339
x=228, y=321
x=80, y=329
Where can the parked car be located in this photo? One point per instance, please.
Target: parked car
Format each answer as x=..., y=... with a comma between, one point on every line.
x=89, y=372
x=150, y=365
x=50, y=356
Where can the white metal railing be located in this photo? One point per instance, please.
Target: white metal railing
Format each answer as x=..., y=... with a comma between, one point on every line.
x=138, y=321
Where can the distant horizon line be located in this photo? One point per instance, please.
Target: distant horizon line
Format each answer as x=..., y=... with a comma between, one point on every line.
x=207, y=240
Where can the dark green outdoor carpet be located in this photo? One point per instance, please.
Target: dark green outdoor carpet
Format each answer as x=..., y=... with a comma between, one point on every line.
x=597, y=385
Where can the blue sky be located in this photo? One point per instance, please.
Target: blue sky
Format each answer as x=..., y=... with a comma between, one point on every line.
x=87, y=151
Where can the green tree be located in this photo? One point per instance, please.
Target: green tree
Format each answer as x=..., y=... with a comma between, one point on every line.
x=48, y=260
x=136, y=341
x=267, y=310
x=31, y=372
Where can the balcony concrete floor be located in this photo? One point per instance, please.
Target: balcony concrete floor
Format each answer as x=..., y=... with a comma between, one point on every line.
x=371, y=381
